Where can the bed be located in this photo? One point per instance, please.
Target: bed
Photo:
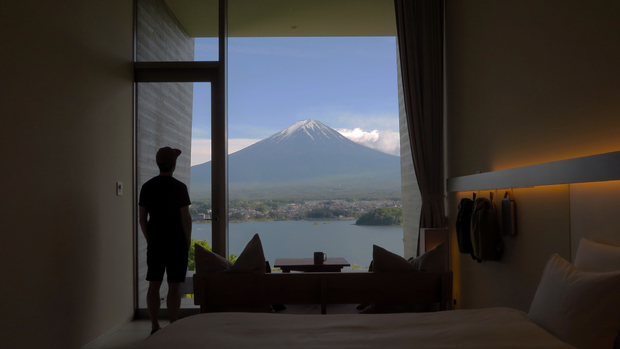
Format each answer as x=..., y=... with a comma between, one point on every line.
x=575, y=306
x=483, y=328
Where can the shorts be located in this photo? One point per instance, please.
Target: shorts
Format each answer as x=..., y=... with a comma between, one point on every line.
x=173, y=262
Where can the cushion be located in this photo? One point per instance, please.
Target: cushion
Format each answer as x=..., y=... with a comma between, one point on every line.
x=434, y=259
x=209, y=262
x=250, y=261
x=592, y=256
x=384, y=261
x=579, y=307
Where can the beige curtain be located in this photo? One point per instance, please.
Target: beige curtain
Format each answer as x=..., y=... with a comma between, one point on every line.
x=420, y=42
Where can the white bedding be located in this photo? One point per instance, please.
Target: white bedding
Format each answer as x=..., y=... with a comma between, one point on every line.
x=481, y=328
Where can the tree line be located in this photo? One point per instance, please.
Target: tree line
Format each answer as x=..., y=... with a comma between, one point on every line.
x=382, y=216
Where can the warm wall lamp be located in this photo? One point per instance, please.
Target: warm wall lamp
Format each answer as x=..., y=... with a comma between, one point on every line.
x=593, y=168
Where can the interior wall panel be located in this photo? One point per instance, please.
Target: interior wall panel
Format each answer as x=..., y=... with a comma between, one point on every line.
x=543, y=217
x=595, y=213
x=531, y=82
x=67, y=138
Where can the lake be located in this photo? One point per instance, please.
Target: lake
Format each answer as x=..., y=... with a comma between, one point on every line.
x=300, y=239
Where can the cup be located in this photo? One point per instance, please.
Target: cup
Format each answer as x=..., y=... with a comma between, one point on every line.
x=319, y=257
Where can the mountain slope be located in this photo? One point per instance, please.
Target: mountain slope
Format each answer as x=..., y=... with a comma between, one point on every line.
x=307, y=156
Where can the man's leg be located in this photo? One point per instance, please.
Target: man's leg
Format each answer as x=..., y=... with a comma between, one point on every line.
x=153, y=302
x=173, y=301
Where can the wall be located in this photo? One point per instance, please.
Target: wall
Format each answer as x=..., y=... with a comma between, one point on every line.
x=66, y=139
x=530, y=82
x=164, y=109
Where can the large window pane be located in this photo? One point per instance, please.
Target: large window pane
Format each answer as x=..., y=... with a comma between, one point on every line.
x=176, y=115
x=313, y=137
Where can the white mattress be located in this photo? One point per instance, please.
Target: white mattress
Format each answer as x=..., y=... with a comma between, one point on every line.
x=481, y=328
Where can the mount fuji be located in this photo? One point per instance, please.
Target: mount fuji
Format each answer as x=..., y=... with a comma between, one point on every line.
x=305, y=160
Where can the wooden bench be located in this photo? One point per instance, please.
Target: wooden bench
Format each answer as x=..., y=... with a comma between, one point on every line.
x=323, y=288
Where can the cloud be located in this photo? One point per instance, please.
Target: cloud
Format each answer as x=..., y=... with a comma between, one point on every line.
x=373, y=122
x=201, y=151
x=384, y=141
x=350, y=120
x=201, y=148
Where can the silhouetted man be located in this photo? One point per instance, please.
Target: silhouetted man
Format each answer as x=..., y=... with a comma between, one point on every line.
x=167, y=226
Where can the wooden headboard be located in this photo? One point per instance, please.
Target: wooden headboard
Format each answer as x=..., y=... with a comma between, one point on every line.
x=323, y=288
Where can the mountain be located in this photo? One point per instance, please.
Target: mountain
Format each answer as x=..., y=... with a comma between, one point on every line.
x=306, y=160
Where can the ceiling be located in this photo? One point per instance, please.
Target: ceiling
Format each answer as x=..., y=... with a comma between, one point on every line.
x=268, y=18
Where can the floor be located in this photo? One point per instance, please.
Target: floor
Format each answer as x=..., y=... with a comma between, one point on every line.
x=128, y=337
x=131, y=335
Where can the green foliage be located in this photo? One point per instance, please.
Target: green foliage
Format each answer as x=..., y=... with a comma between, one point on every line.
x=356, y=266
x=277, y=216
x=191, y=255
x=237, y=217
x=262, y=208
x=382, y=216
x=326, y=212
x=267, y=215
x=261, y=205
x=198, y=207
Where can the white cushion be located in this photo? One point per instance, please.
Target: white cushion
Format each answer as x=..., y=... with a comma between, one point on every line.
x=579, y=307
x=252, y=259
x=209, y=262
x=592, y=256
x=386, y=261
x=434, y=259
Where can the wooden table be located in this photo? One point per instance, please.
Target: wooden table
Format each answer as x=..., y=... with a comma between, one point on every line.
x=307, y=264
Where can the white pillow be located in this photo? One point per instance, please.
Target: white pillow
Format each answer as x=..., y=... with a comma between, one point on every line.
x=209, y=262
x=386, y=261
x=579, y=307
x=434, y=259
x=592, y=256
x=250, y=261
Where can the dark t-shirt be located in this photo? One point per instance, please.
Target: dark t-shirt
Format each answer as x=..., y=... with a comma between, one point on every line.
x=163, y=197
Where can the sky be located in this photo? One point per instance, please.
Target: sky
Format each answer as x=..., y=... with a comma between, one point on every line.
x=347, y=83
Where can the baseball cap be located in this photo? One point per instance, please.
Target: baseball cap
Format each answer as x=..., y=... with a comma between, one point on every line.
x=167, y=157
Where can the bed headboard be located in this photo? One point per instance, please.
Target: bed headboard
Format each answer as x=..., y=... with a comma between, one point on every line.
x=323, y=288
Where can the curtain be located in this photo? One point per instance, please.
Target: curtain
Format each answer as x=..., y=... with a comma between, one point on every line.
x=420, y=42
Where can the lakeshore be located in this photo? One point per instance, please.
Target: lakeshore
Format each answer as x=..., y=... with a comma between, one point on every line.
x=301, y=238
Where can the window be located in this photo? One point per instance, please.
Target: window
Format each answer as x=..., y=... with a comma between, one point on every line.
x=332, y=83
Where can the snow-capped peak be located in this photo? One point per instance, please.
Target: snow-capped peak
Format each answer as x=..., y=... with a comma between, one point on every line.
x=303, y=124
x=311, y=128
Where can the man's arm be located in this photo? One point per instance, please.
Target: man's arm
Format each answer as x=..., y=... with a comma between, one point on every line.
x=186, y=220
x=143, y=222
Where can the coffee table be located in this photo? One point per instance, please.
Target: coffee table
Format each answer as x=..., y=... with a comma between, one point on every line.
x=307, y=264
